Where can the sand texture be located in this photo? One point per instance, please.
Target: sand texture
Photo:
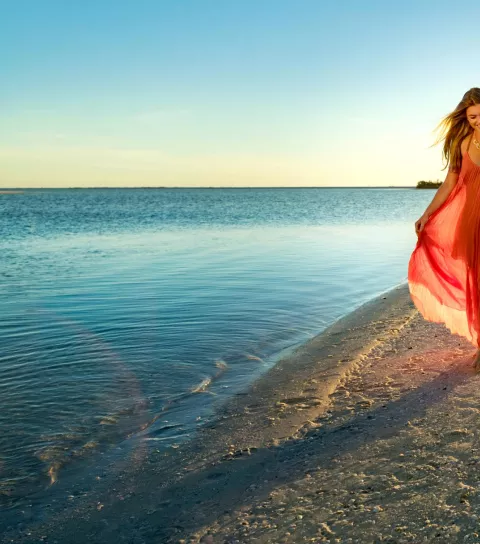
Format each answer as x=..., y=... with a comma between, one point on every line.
x=366, y=434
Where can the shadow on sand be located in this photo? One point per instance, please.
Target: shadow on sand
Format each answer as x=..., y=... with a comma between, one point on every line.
x=164, y=509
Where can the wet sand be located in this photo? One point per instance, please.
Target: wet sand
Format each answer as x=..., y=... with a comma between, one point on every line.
x=368, y=433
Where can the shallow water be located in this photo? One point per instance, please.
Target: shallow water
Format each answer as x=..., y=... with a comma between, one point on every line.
x=142, y=310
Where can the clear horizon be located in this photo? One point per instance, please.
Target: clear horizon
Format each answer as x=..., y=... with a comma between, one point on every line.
x=9, y=189
x=205, y=94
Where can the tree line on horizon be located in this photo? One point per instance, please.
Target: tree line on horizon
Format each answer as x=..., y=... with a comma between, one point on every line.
x=429, y=184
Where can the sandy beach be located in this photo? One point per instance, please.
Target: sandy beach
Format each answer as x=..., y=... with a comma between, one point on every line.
x=366, y=434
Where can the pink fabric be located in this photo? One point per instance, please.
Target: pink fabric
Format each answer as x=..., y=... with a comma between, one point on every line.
x=444, y=269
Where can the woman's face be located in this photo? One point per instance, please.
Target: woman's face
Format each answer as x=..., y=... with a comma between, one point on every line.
x=473, y=116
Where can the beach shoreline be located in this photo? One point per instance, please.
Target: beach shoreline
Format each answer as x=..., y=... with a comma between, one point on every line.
x=311, y=428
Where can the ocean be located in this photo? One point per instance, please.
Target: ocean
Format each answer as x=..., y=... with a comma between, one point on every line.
x=140, y=311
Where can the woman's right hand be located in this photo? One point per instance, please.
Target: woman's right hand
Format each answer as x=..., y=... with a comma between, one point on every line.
x=420, y=224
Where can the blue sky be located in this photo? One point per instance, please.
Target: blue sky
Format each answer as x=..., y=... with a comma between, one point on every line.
x=229, y=93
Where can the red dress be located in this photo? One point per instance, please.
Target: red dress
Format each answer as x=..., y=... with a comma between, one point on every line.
x=444, y=269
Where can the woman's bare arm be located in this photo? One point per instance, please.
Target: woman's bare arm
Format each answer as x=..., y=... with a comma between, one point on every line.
x=442, y=193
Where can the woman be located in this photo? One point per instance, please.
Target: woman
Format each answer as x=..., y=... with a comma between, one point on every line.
x=444, y=269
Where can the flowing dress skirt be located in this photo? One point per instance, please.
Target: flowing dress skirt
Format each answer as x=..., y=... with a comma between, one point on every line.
x=444, y=269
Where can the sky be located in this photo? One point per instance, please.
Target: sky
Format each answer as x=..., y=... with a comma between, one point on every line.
x=224, y=93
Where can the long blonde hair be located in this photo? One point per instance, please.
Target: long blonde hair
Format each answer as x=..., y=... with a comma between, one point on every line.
x=454, y=127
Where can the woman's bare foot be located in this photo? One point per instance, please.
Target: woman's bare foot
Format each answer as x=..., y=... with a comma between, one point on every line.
x=476, y=361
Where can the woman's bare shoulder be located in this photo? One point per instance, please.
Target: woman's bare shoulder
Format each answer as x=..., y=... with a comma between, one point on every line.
x=464, y=144
x=463, y=150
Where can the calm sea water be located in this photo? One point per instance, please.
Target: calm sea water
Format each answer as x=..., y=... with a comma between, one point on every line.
x=141, y=310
